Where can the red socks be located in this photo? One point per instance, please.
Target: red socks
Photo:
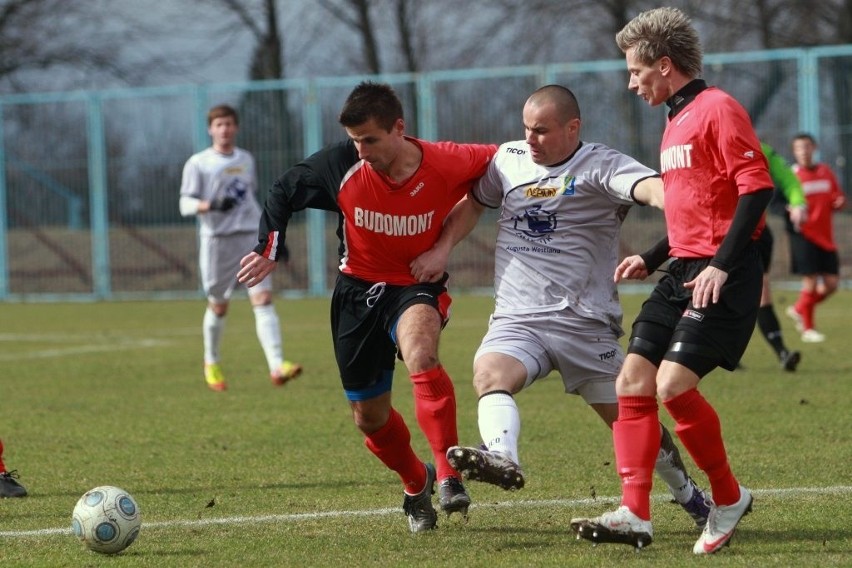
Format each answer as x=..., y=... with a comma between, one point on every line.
x=435, y=407
x=636, y=436
x=700, y=432
x=805, y=307
x=392, y=444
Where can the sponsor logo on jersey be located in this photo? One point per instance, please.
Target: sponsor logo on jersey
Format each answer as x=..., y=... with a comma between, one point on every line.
x=535, y=222
x=417, y=189
x=543, y=190
x=568, y=185
x=697, y=316
x=236, y=189
x=393, y=225
x=676, y=157
x=535, y=191
x=518, y=151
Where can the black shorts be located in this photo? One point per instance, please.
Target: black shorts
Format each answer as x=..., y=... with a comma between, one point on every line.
x=720, y=331
x=363, y=328
x=808, y=258
x=764, y=248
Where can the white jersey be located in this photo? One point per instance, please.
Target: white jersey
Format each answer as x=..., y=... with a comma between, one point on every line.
x=209, y=175
x=558, y=231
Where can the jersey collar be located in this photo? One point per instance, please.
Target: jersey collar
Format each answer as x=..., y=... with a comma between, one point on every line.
x=684, y=96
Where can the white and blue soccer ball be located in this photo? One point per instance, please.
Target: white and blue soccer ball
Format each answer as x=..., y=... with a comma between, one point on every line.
x=106, y=519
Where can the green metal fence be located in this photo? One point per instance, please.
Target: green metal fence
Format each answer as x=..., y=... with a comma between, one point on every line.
x=89, y=179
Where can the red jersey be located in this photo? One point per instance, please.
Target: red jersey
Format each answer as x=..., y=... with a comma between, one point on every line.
x=709, y=157
x=386, y=226
x=821, y=191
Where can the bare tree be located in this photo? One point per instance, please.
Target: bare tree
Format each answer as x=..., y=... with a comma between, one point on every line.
x=55, y=44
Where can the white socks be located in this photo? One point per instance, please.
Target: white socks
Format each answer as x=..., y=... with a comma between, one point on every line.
x=212, y=330
x=500, y=424
x=269, y=334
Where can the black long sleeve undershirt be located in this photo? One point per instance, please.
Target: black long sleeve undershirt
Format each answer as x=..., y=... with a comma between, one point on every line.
x=750, y=208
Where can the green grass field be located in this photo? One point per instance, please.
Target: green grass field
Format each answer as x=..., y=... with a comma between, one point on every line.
x=112, y=393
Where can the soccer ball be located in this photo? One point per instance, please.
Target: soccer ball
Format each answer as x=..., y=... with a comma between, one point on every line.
x=106, y=519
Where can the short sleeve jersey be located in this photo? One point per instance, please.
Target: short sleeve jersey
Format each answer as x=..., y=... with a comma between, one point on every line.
x=558, y=230
x=709, y=157
x=209, y=175
x=821, y=190
x=386, y=225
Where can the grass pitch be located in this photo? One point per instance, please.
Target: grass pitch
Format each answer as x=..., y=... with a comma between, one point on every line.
x=112, y=393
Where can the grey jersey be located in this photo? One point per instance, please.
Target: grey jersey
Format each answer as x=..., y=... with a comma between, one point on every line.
x=558, y=231
x=208, y=175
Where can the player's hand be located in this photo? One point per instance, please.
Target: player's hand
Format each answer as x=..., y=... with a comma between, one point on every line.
x=632, y=268
x=798, y=215
x=707, y=286
x=223, y=204
x=254, y=269
x=430, y=265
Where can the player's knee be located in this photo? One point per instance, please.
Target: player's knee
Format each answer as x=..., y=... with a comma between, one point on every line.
x=419, y=359
x=486, y=382
x=221, y=309
x=650, y=341
x=370, y=416
x=489, y=376
x=263, y=298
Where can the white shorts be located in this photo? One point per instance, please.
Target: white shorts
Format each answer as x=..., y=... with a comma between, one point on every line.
x=219, y=261
x=584, y=351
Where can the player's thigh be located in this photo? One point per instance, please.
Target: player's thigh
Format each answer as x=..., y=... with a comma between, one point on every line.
x=414, y=316
x=518, y=338
x=588, y=356
x=718, y=334
x=764, y=246
x=363, y=349
x=219, y=262
x=805, y=257
x=418, y=328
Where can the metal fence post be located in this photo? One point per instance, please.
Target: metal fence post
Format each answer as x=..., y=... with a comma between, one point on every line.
x=98, y=203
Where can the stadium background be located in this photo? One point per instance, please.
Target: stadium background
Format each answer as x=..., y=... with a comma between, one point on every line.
x=89, y=179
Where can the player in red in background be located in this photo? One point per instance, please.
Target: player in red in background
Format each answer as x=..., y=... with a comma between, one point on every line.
x=702, y=313
x=813, y=250
x=392, y=193
x=9, y=486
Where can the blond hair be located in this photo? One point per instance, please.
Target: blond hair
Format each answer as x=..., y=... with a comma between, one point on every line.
x=663, y=32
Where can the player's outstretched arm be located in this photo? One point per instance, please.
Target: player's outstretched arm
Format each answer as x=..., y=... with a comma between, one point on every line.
x=649, y=191
x=254, y=269
x=431, y=265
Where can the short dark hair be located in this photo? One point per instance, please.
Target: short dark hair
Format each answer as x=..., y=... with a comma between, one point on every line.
x=222, y=111
x=371, y=100
x=562, y=98
x=805, y=136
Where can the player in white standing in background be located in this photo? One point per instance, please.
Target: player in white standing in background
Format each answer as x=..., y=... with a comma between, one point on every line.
x=220, y=187
x=562, y=202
